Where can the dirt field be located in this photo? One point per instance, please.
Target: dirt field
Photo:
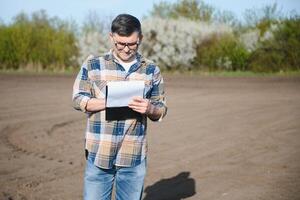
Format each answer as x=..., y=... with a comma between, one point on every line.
x=223, y=138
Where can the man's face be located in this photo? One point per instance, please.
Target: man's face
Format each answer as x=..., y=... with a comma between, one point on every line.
x=125, y=47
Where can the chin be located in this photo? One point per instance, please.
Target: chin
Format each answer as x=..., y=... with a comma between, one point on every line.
x=126, y=58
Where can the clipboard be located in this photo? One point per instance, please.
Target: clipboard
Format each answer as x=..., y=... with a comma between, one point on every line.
x=118, y=95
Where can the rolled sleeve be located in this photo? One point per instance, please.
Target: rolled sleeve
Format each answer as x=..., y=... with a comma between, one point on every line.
x=157, y=98
x=81, y=89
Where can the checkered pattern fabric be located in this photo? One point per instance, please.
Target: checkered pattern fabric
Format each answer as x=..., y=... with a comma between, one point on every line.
x=116, y=142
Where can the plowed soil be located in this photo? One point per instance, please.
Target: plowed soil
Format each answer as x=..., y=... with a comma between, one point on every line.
x=223, y=138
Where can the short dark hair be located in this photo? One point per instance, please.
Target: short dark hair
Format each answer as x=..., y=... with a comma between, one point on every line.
x=125, y=25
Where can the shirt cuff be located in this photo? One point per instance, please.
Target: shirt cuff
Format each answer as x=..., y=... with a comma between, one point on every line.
x=83, y=103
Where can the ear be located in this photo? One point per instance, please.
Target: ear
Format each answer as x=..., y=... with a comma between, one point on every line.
x=111, y=37
x=141, y=38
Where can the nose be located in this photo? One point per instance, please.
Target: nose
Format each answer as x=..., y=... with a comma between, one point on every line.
x=126, y=49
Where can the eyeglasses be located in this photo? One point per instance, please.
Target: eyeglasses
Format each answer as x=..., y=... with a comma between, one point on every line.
x=121, y=45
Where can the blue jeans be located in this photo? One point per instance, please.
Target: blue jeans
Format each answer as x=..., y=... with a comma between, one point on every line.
x=129, y=182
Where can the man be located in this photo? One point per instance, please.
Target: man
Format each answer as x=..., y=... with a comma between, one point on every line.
x=116, y=148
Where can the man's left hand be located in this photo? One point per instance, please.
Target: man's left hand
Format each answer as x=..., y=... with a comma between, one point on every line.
x=139, y=104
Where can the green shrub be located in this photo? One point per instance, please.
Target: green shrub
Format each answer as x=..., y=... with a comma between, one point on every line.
x=224, y=52
x=280, y=52
x=37, y=43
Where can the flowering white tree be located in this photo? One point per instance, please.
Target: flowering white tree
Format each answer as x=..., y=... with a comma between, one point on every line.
x=168, y=42
x=252, y=37
x=93, y=38
x=172, y=43
x=92, y=42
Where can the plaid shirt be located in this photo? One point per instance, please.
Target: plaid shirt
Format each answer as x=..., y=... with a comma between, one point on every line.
x=117, y=142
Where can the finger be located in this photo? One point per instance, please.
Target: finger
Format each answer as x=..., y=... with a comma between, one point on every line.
x=131, y=106
x=138, y=109
x=134, y=104
x=137, y=98
x=135, y=109
x=138, y=104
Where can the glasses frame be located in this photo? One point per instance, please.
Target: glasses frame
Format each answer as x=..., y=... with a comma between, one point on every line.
x=127, y=44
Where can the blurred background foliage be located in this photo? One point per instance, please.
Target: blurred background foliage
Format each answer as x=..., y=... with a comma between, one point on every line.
x=37, y=43
x=186, y=35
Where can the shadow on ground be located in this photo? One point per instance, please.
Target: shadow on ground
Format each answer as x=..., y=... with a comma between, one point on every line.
x=175, y=188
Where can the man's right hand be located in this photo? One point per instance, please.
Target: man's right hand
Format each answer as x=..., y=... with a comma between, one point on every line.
x=95, y=105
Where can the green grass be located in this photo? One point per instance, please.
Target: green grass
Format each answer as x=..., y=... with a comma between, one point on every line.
x=234, y=73
x=72, y=71
x=40, y=72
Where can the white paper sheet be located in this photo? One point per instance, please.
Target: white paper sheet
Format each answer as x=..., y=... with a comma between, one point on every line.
x=120, y=93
